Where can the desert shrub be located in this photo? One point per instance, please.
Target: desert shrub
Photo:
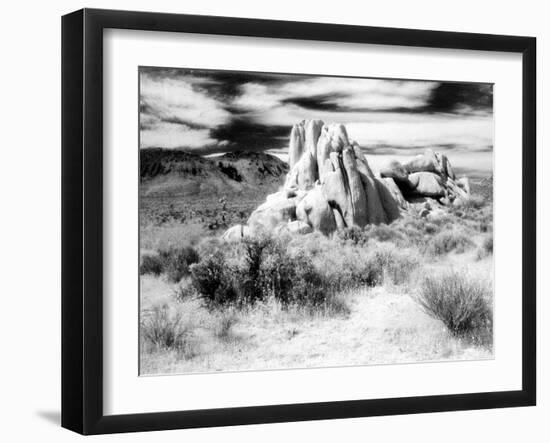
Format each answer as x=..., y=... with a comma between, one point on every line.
x=372, y=265
x=475, y=213
x=461, y=302
x=335, y=304
x=473, y=202
x=486, y=248
x=278, y=273
x=406, y=231
x=412, y=230
x=184, y=290
x=443, y=221
x=309, y=287
x=289, y=279
x=176, y=261
x=262, y=268
x=353, y=235
x=252, y=279
x=212, y=278
x=151, y=264
x=311, y=245
x=395, y=265
x=352, y=267
x=383, y=233
x=448, y=241
x=165, y=329
x=224, y=324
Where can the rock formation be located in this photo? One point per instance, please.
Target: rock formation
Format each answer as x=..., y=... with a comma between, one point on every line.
x=331, y=185
x=428, y=175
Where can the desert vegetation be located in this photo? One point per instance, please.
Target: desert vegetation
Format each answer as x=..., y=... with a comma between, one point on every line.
x=416, y=289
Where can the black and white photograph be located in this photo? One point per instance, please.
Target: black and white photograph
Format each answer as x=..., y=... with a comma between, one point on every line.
x=298, y=221
x=246, y=222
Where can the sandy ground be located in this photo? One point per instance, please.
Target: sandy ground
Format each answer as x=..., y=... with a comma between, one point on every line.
x=384, y=325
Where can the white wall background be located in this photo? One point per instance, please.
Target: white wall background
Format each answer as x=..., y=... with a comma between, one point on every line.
x=30, y=221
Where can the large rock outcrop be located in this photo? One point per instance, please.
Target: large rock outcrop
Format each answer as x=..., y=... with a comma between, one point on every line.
x=331, y=185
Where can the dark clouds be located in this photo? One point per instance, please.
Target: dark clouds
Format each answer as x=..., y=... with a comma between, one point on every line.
x=322, y=102
x=461, y=97
x=243, y=132
x=218, y=111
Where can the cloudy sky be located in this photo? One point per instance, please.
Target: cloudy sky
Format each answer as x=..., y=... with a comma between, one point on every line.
x=207, y=112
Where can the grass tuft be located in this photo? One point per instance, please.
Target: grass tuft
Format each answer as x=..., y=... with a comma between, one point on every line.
x=166, y=329
x=395, y=264
x=461, y=302
x=224, y=325
x=450, y=241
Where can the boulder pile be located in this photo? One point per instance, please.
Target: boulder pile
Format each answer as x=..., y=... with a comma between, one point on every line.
x=331, y=186
x=428, y=175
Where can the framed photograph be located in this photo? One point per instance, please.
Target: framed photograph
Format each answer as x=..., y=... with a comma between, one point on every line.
x=270, y=221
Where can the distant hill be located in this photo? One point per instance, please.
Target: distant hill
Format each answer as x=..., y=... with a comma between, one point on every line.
x=171, y=173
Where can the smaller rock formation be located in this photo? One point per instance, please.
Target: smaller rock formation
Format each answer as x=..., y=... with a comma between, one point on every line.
x=427, y=184
x=428, y=175
x=394, y=170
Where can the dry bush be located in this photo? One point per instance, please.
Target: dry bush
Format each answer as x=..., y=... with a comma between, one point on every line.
x=224, y=324
x=415, y=231
x=176, y=261
x=335, y=305
x=461, y=302
x=173, y=261
x=261, y=268
x=361, y=236
x=486, y=248
x=269, y=270
x=184, y=290
x=312, y=245
x=213, y=280
x=449, y=241
x=473, y=202
x=475, y=213
x=166, y=329
x=353, y=235
x=396, y=264
x=151, y=264
x=297, y=272
x=350, y=268
x=253, y=280
x=364, y=264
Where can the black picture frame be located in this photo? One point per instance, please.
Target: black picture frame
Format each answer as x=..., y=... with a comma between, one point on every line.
x=82, y=218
